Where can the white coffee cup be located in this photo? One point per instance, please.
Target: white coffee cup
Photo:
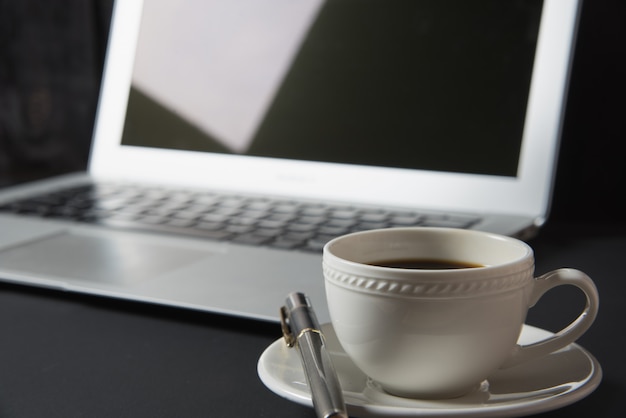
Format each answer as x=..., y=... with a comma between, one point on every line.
x=438, y=333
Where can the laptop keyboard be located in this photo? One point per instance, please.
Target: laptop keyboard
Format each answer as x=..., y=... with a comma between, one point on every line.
x=224, y=217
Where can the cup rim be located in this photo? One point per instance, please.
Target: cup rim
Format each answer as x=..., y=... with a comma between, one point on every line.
x=514, y=266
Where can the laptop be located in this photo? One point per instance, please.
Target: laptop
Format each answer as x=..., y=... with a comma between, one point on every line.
x=306, y=120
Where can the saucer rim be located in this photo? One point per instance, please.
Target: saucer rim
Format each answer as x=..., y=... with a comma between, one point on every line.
x=509, y=409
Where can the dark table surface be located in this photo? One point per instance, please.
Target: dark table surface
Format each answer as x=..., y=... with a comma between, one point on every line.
x=65, y=355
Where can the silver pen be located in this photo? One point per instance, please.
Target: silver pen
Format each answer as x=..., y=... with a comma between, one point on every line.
x=301, y=329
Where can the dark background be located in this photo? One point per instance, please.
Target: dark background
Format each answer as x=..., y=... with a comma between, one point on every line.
x=73, y=355
x=51, y=57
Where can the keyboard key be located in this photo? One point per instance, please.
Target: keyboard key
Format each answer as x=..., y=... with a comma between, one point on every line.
x=374, y=217
x=215, y=217
x=151, y=219
x=317, y=243
x=122, y=216
x=209, y=226
x=251, y=213
x=313, y=220
x=340, y=223
x=225, y=210
x=272, y=224
x=231, y=202
x=405, y=220
x=186, y=214
x=344, y=214
x=183, y=223
x=259, y=205
x=314, y=210
x=286, y=208
x=238, y=229
x=269, y=232
x=301, y=227
x=240, y=220
x=281, y=216
x=364, y=226
x=333, y=230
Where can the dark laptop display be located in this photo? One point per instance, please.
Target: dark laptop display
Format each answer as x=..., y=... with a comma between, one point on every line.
x=409, y=84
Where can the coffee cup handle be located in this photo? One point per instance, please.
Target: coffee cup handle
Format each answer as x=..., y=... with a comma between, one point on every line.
x=570, y=333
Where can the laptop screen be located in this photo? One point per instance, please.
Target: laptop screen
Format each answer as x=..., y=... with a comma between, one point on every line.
x=407, y=84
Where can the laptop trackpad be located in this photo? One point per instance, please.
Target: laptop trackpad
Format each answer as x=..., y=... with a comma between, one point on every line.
x=114, y=259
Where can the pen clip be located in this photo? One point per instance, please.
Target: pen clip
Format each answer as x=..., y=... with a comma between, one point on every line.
x=284, y=325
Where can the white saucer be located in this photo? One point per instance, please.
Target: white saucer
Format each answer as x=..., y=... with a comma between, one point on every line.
x=554, y=381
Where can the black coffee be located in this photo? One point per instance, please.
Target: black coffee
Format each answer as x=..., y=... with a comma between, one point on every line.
x=425, y=264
